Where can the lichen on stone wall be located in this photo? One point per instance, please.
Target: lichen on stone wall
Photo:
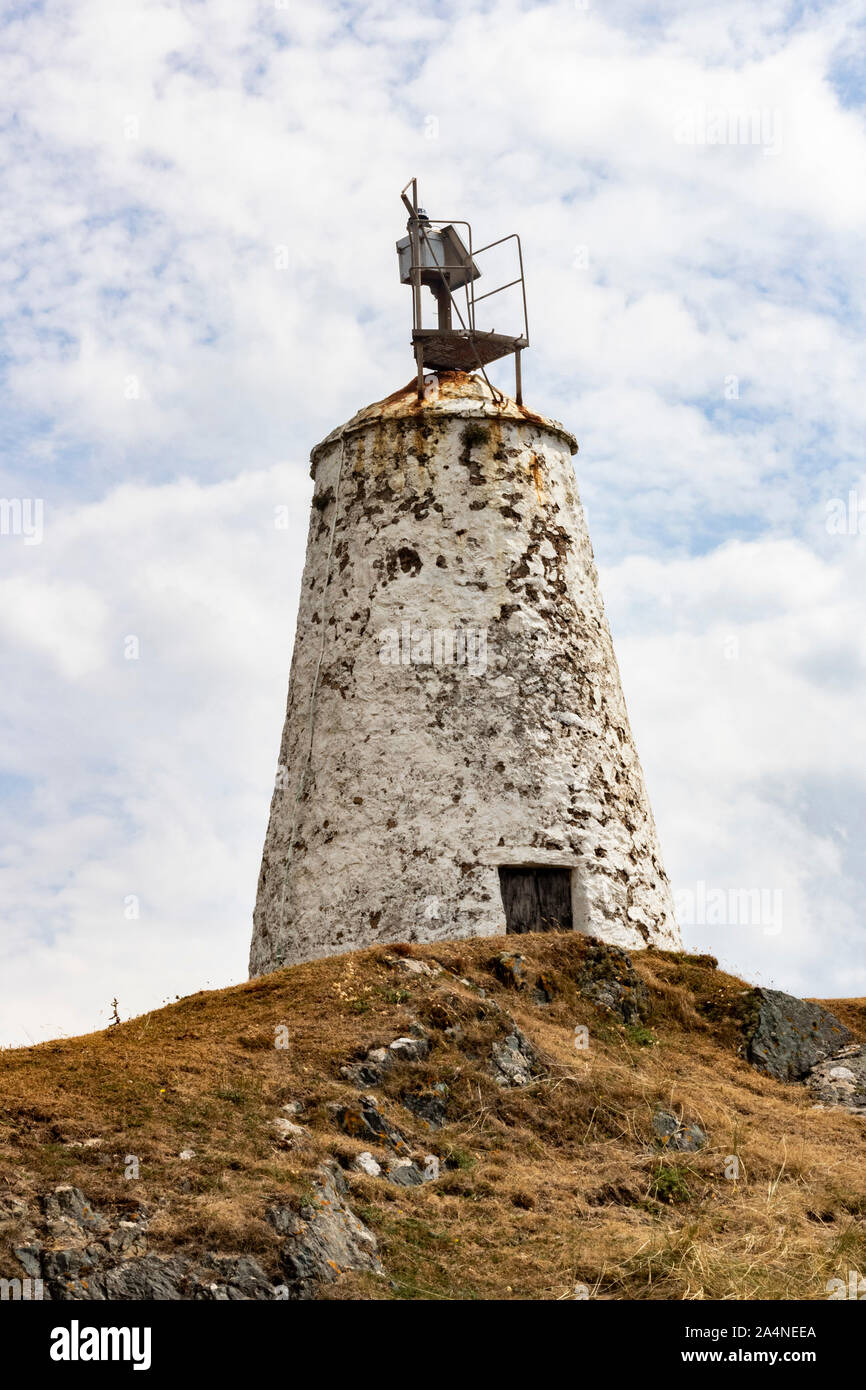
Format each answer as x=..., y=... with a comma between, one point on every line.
x=454, y=703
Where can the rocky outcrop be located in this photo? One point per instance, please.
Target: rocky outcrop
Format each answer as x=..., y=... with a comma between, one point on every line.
x=428, y=1104
x=514, y=1061
x=325, y=1239
x=371, y=1069
x=79, y=1253
x=365, y=1121
x=840, y=1082
x=791, y=1036
x=608, y=979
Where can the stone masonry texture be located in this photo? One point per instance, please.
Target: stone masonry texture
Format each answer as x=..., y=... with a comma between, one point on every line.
x=454, y=700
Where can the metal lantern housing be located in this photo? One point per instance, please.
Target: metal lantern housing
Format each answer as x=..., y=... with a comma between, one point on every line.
x=436, y=256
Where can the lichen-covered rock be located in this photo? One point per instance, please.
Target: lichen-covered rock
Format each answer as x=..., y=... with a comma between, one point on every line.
x=428, y=1104
x=840, y=1082
x=152, y=1277
x=364, y=1121
x=372, y=1069
x=672, y=1134
x=545, y=989
x=325, y=1240
x=510, y=969
x=514, y=1060
x=70, y=1265
x=67, y=1206
x=290, y=1135
x=607, y=977
x=792, y=1035
x=235, y=1278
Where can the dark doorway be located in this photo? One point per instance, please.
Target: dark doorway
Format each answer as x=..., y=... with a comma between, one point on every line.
x=536, y=899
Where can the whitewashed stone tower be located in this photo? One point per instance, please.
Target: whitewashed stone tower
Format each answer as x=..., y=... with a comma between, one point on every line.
x=457, y=759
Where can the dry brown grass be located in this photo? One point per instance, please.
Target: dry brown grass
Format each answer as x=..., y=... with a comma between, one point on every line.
x=544, y=1186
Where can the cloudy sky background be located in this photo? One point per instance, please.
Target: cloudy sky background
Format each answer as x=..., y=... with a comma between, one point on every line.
x=696, y=308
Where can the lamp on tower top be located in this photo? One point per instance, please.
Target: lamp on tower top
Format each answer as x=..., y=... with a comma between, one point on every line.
x=437, y=256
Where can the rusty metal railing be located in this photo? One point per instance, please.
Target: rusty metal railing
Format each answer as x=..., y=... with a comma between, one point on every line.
x=469, y=328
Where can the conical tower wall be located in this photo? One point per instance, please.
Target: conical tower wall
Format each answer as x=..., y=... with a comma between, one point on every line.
x=455, y=707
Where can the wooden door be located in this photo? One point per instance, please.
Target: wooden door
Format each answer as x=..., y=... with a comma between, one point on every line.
x=536, y=899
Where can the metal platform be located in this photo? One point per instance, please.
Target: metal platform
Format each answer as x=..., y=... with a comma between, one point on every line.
x=462, y=350
x=436, y=256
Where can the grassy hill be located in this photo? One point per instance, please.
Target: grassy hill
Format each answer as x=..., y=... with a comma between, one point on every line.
x=562, y=1180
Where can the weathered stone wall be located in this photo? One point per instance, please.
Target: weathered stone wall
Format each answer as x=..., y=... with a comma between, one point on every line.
x=458, y=515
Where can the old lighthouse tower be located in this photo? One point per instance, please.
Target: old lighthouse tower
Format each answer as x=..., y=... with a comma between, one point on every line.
x=456, y=758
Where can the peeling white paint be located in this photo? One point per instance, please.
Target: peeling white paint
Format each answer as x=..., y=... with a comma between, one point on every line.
x=458, y=515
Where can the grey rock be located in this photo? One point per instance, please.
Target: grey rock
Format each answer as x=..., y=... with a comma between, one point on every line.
x=30, y=1259
x=514, y=1060
x=791, y=1036
x=69, y=1205
x=410, y=1049
x=608, y=979
x=403, y=1172
x=414, y=967
x=290, y=1135
x=324, y=1240
x=152, y=1277
x=371, y=1070
x=239, y=1279
x=71, y=1264
x=840, y=1082
x=120, y=1267
x=129, y=1238
x=364, y=1121
x=672, y=1134
x=366, y=1163
x=428, y=1104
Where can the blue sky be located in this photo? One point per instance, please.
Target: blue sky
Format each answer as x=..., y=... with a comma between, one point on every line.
x=687, y=182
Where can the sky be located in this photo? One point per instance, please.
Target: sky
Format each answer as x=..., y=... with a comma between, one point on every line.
x=198, y=282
